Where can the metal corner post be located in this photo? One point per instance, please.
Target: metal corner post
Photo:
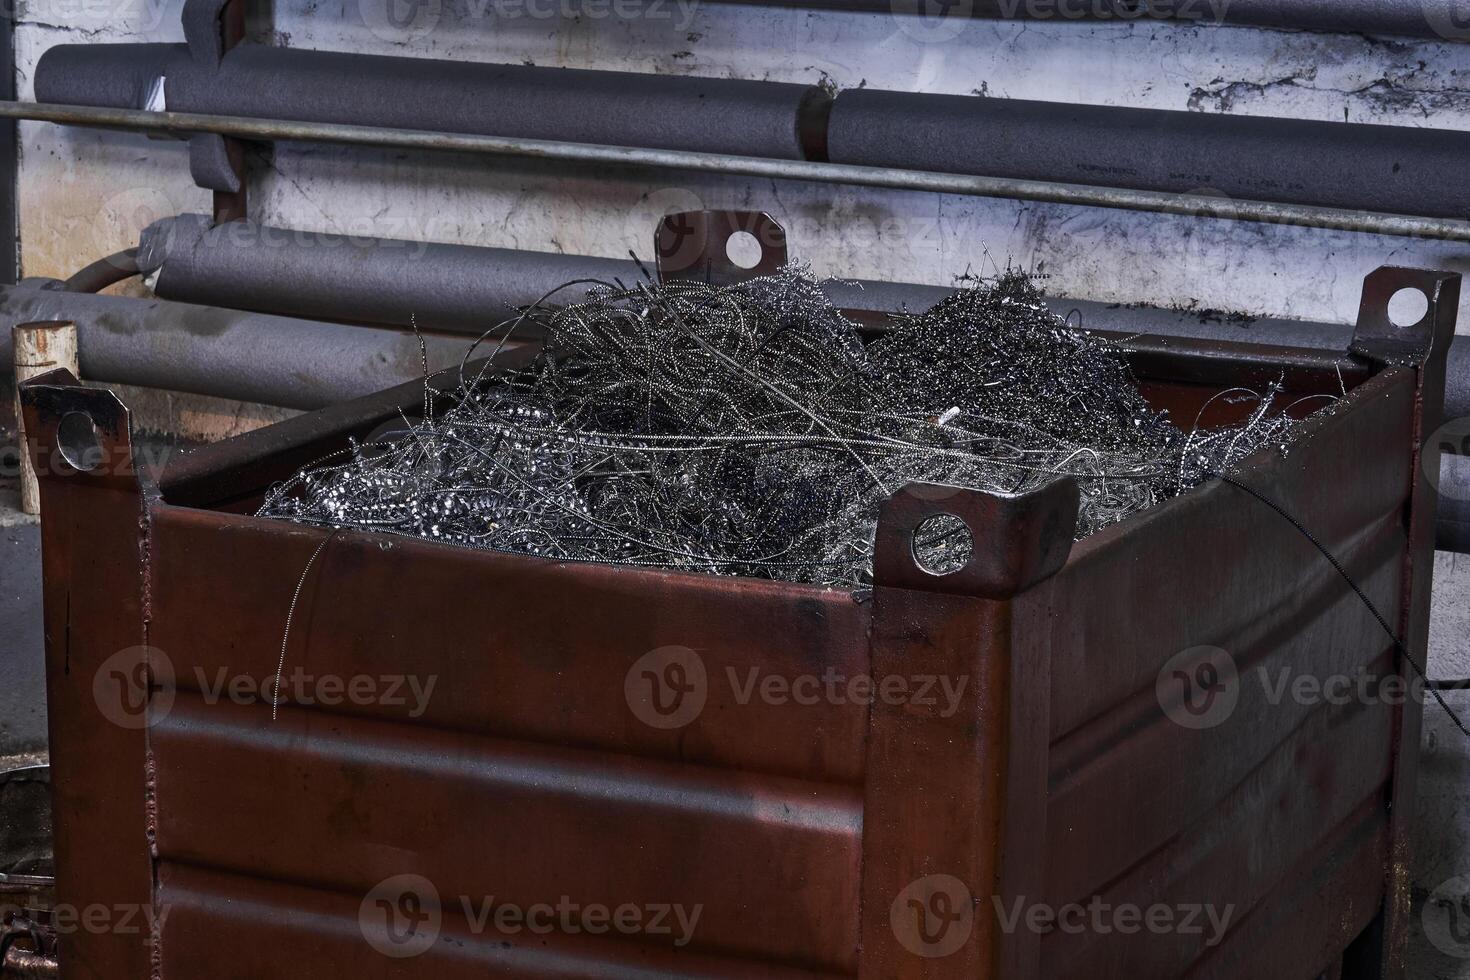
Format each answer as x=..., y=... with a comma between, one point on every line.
x=1421, y=347
x=955, y=795
x=99, y=678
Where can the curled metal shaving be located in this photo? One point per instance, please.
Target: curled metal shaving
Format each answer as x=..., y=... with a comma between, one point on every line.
x=752, y=430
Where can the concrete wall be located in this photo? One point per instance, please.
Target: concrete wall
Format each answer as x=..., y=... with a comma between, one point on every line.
x=83, y=194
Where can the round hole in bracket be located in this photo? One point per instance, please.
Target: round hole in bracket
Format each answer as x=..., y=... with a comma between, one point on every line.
x=78, y=442
x=744, y=249
x=1407, y=306
x=943, y=544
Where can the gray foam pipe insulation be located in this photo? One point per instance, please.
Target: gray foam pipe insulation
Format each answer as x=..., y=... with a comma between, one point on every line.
x=1397, y=169
x=251, y=357
x=714, y=115
x=1409, y=18
x=458, y=288
x=469, y=289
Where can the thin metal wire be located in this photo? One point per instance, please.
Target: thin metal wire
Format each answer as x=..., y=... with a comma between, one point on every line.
x=751, y=430
x=290, y=613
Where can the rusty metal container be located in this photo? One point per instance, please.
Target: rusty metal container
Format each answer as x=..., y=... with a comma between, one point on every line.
x=592, y=740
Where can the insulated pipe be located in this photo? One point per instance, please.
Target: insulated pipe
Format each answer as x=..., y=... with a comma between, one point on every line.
x=1398, y=169
x=1444, y=19
x=711, y=115
x=1389, y=169
x=465, y=288
x=1078, y=195
x=271, y=360
x=104, y=272
x=456, y=288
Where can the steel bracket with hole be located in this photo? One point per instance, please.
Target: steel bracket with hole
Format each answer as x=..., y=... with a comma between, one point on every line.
x=696, y=246
x=1016, y=540
x=1381, y=341
x=73, y=431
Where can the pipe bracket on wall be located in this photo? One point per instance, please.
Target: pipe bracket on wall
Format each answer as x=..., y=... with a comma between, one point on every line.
x=217, y=163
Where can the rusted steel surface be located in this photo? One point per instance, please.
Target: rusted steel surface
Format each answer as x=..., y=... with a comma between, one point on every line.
x=602, y=735
x=94, y=553
x=1422, y=347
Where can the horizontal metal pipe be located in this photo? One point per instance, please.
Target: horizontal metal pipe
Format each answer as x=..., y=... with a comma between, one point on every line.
x=1442, y=19
x=105, y=272
x=464, y=288
x=1195, y=205
x=673, y=112
x=458, y=288
x=271, y=360
x=1388, y=169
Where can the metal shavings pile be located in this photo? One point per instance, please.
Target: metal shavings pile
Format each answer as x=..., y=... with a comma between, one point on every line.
x=749, y=430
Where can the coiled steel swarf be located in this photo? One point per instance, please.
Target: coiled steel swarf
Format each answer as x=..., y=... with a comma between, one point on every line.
x=751, y=430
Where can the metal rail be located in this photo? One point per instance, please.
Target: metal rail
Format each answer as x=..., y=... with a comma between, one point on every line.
x=182, y=124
